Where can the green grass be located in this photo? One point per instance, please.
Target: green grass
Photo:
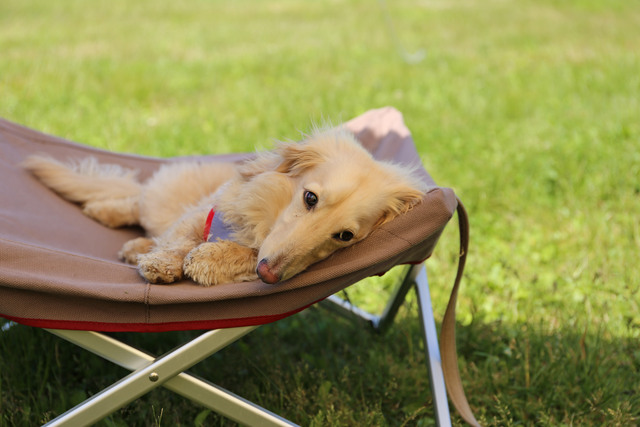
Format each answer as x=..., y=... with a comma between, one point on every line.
x=530, y=110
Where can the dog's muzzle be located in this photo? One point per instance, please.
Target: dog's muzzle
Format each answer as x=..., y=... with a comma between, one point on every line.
x=265, y=273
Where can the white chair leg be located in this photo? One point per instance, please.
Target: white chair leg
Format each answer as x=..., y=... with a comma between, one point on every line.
x=167, y=371
x=438, y=389
x=415, y=276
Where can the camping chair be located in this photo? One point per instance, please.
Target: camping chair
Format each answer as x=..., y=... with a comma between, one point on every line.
x=59, y=271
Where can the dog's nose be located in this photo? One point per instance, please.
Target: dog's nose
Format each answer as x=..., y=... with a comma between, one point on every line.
x=265, y=273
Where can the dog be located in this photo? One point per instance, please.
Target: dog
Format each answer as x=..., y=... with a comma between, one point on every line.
x=275, y=214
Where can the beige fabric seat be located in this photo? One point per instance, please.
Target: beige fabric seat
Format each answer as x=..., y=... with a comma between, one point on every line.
x=59, y=269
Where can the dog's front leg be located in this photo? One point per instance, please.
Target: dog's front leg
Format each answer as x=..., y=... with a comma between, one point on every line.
x=163, y=263
x=223, y=261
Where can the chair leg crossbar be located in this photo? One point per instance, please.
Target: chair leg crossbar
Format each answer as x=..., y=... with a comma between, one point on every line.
x=149, y=372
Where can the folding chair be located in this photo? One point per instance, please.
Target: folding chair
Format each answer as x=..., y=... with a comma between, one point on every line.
x=58, y=271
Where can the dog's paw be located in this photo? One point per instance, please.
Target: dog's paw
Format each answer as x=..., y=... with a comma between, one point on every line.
x=134, y=247
x=200, y=264
x=160, y=267
x=212, y=263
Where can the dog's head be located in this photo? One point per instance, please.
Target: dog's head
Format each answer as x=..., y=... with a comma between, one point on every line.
x=339, y=194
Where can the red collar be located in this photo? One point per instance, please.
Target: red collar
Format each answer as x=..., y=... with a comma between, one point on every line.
x=215, y=228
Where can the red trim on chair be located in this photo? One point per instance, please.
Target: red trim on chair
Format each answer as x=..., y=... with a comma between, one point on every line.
x=153, y=327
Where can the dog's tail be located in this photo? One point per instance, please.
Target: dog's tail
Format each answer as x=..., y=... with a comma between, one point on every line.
x=108, y=193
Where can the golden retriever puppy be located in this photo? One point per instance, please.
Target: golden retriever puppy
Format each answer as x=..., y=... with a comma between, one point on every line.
x=269, y=217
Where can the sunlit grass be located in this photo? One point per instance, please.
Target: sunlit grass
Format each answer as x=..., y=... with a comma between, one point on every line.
x=529, y=110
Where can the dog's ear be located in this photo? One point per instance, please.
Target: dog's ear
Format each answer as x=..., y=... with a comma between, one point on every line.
x=263, y=162
x=401, y=194
x=296, y=158
x=402, y=200
x=288, y=157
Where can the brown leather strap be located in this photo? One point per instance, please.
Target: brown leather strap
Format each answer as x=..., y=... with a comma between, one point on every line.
x=448, y=332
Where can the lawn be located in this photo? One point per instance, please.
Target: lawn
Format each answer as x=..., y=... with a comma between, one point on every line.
x=530, y=110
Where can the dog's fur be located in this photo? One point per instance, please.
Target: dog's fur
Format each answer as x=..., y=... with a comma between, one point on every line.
x=277, y=232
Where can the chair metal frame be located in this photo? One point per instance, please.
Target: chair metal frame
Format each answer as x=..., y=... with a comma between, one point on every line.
x=149, y=372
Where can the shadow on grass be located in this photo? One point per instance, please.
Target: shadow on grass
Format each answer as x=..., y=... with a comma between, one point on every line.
x=319, y=370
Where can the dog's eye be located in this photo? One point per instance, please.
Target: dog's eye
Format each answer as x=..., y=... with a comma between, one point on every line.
x=310, y=199
x=343, y=236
